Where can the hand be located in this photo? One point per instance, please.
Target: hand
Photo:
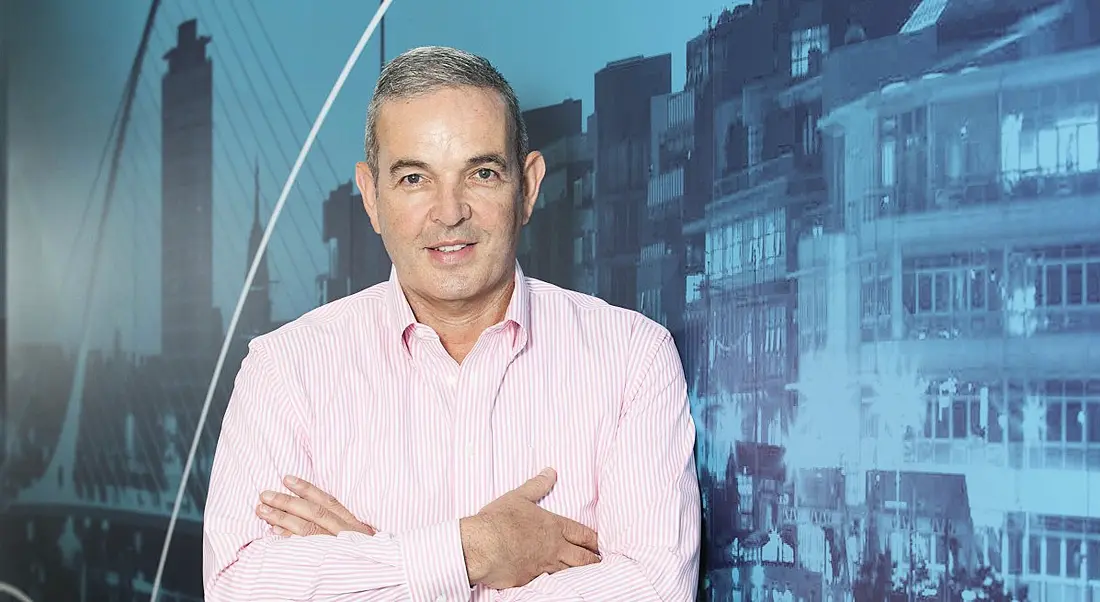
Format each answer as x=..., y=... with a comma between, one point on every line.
x=512, y=540
x=312, y=512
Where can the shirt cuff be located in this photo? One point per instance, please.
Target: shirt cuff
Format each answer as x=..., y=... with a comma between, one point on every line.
x=435, y=567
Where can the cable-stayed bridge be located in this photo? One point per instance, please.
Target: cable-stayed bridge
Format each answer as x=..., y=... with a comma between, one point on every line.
x=205, y=133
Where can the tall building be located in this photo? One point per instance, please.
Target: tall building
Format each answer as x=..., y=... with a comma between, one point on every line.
x=546, y=125
x=189, y=324
x=357, y=256
x=546, y=247
x=623, y=90
x=661, y=260
x=256, y=314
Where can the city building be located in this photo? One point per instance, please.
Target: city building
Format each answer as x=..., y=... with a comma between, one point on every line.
x=756, y=181
x=548, y=124
x=546, y=246
x=585, y=265
x=947, y=323
x=661, y=260
x=190, y=327
x=256, y=313
x=623, y=90
x=357, y=257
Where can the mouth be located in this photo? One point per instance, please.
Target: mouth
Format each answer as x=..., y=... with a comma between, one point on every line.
x=452, y=247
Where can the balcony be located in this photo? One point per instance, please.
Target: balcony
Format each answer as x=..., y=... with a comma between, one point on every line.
x=977, y=191
x=754, y=176
x=1050, y=208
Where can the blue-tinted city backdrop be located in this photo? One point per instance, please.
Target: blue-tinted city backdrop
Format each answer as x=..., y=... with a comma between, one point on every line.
x=873, y=227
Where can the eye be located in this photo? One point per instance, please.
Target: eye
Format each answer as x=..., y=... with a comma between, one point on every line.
x=485, y=173
x=412, y=179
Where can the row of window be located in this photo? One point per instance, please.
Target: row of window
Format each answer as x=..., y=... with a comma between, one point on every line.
x=1052, y=411
x=1054, y=555
x=747, y=245
x=1048, y=289
x=985, y=148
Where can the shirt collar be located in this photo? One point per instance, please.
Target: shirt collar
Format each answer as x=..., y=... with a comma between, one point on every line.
x=517, y=316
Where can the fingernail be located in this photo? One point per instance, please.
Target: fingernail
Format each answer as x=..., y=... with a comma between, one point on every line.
x=290, y=480
x=546, y=472
x=268, y=496
x=280, y=531
x=264, y=509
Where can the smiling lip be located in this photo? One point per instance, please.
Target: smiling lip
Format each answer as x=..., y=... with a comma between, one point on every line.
x=451, y=246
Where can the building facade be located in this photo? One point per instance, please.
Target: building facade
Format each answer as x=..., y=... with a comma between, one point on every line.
x=546, y=246
x=970, y=252
x=357, y=256
x=623, y=90
x=190, y=327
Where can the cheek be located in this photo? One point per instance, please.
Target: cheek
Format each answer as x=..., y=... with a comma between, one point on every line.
x=402, y=228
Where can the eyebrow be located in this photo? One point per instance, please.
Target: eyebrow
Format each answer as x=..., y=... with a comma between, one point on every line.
x=493, y=158
x=401, y=164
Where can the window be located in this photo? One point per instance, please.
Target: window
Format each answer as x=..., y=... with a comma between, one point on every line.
x=959, y=410
x=875, y=284
x=803, y=44
x=1050, y=140
x=902, y=165
x=965, y=137
x=811, y=137
x=812, y=313
x=952, y=296
x=1055, y=289
x=752, y=344
x=747, y=245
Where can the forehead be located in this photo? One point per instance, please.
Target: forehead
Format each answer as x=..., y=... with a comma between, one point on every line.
x=451, y=119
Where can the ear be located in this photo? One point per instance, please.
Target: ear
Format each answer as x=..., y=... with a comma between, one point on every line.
x=368, y=187
x=534, y=170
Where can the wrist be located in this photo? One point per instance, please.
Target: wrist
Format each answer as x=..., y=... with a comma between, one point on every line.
x=474, y=548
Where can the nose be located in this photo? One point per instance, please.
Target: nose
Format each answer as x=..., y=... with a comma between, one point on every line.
x=451, y=208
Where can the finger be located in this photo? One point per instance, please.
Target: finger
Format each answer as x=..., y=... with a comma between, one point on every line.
x=577, y=556
x=538, y=486
x=288, y=524
x=310, y=492
x=304, y=509
x=578, y=534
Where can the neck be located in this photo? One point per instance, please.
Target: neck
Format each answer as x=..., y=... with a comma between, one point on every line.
x=460, y=323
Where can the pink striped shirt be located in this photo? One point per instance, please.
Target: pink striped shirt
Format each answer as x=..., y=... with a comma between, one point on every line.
x=364, y=402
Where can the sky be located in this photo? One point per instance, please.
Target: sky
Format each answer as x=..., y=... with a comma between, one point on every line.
x=70, y=66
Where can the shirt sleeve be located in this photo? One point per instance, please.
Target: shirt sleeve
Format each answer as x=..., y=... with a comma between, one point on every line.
x=264, y=438
x=649, y=507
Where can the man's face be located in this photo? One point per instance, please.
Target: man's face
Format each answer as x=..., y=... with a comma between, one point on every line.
x=450, y=198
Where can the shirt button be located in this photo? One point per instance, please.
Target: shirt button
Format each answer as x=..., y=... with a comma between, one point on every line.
x=452, y=380
x=470, y=449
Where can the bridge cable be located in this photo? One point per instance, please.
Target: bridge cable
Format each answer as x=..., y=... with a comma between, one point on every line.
x=273, y=52
x=239, y=97
x=352, y=59
x=14, y=592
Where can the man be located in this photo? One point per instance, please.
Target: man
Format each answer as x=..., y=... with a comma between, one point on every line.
x=459, y=432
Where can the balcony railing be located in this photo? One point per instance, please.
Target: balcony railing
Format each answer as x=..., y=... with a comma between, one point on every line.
x=964, y=325
x=754, y=176
x=978, y=190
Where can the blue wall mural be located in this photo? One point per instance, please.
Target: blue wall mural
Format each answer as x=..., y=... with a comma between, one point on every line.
x=873, y=228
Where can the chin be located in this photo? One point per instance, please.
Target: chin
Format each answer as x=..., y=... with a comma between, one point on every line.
x=452, y=291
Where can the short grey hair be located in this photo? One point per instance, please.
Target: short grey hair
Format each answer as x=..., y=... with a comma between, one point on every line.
x=429, y=68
